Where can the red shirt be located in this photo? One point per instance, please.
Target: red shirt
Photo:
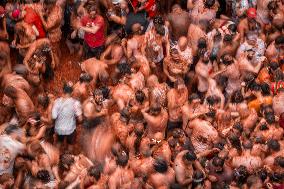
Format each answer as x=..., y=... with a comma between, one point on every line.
x=97, y=39
x=33, y=18
x=150, y=7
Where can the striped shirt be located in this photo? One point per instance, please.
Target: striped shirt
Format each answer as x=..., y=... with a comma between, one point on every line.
x=64, y=112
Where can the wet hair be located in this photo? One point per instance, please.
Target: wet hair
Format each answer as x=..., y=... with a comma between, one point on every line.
x=278, y=75
x=189, y=156
x=6, y=177
x=105, y=90
x=202, y=43
x=279, y=160
x=235, y=141
x=279, y=40
x=228, y=38
x=237, y=97
x=265, y=88
x=238, y=126
x=233, y=27
x=43, y=100
x=220, y=145
x=210, y=100
x=193, y=96
x=160, y=165
x=241, y=174
x=67, y=89
x=43, y=175
x=276, y=177
x=124, y=68
x=198, y=177
x=247, y=144
x=270, y=117
x=272, y=5
x=124, y=113
x=211, y=113
x=122, y=159
x=155, y=109
x=10, y=91
x=96, y=171
x=249, y=79
x=177, y=133
x=140, y=96
x=263, y=127
x=158, y=20
x=209, y=3
x=273, y=65
x=254, y=86
x=224, y=61
x=160, y=30
x=273, y=145
x=175, y=186
x=11, y=128
x=218, y=162
x=66, y=159
x=84, y=77
x=262, y=174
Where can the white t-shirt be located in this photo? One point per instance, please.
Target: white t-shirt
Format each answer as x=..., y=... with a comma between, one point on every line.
x=9, y=149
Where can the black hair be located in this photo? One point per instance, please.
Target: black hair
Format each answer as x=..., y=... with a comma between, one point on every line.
x=189, y=156
x=238, y=126
x=11, y=128
x=278, y=75
x=210, y=100
x=241, y=174
x=232, y=27
x=67, y=89
x=237, y=97
x=84, y=77
x=96, y=170
x=270, y=117
x=279, y=40
x=10, y=91
x=124, y=68
x=254, y=86
x=139, y=135
x=140, y=96
x=202, y=43
x=273, y=65
x=44, y=100
x=211, y=113
x=158, y=20
x=228, y=38
x=209, y=3
x=276, y=177
x=122, y=159
x=262, y=174
x=105, y=90
x=263, y=127
x=124, y=113
x=273, y=145
x=43, y=175
x=272, y=5
x=279, y=160
x=218, y=162
x=265, y=88
x=198, y=177
x=235, y=141
x=160, y=165
x=176, y=186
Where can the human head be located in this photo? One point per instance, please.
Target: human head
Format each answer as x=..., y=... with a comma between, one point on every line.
x=160, y=165
x=227, y=59
x=137, y=29
x=105, y=91
x=95, y=171
x=122, y=159
x=85, y=78
x=66, y=160
x=241, y=174
x=189, y=157
x=43, y=100
x=140, y=96
x=155, y=110
x=43, y=175
x=98, y=96
x=218, y=163
x=237, y=97
x=7, y=180
x=124, y=115
x=194, y=98
x=67, y=88
x=209, y=3
x=273, y=145
x=279, y=42
x=11, y=92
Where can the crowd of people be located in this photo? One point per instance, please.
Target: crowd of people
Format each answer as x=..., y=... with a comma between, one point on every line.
x=173, y=94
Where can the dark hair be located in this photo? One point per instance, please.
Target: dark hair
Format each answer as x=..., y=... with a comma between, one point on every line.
x=67, y=89
x=43, y=100
x=241, y=174
x=122, y=159
x=279, y=40
x=160, y=165
x=124, y=68
x=66, y=159
x=272, y=5
x=160, y=29
x=176, y=186
x=224, y=61
x=43, y=175
x=279, y=160
x=237, y=97
x=139, y=135
x=210, y=100
x=198, y=177
x=270, y=117
x=124, y=113
x=105, y=90
x=218, y=162
x=273, y=65
x=11, y=128
x=273, y=145
x=238, y=126
x=265, y=89
x=96, y=171
x=140, y=96
x=158, y=20
x=232, y=27
x=262, y=174
x=193, y=96
x=84, y=77
x=209, y=3
x=202, y=43
x=276, y=177
x=189, y=156
x=235, y=141
x=228, y=38
x=263, y=127
x=278, y=75
x=10, y=91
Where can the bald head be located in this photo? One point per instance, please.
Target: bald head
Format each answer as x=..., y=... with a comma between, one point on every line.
x=182, y=43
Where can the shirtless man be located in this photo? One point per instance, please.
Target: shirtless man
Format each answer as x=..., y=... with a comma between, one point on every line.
x=184, y=50
x=184, y=163
x=95, y=68
x=81, y=88
x=195, y=33
x=203, y=134
x=136, y=43
x=156, y=119
x=163, y=177
x=157, y=91
x=40, y=61
x=177, y=97
x=51, y=20
x=122, y=94
x=46, y=101
x=23, y=104
x=278, y=102
x=275, y=49
x=5, y=62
